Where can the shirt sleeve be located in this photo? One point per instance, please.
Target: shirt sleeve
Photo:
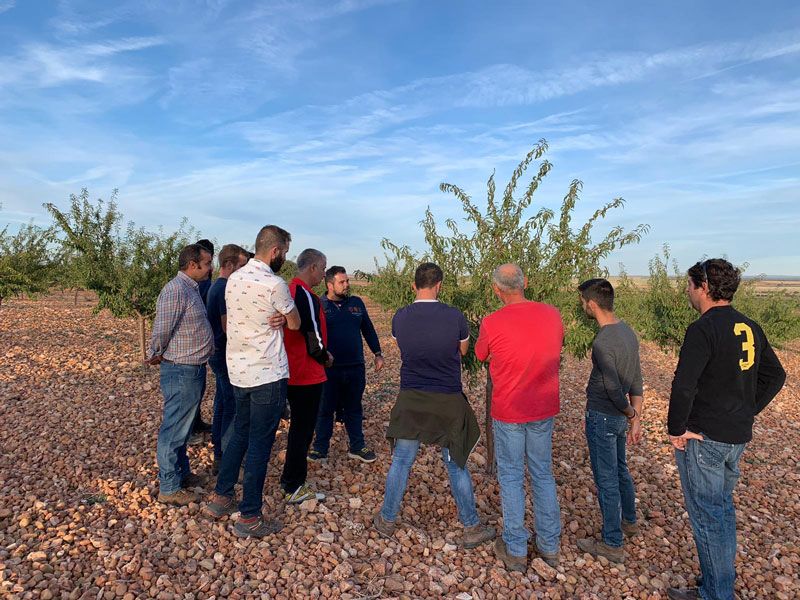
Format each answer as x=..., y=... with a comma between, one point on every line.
x=463, y=328
x=606, y=364
x=771, y=377
x=482, y=345
x=368, y=330
x=310, y=327
x=169, y=308
x=694, y=356
x=282, y=298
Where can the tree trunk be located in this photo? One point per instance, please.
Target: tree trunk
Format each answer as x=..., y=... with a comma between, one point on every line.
x=490, y=463
x=76, y=297
x=142, y=337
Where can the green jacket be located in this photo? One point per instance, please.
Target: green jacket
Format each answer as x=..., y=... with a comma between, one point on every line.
x=435, y=418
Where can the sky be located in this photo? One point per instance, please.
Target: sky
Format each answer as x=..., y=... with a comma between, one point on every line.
x=338, y=119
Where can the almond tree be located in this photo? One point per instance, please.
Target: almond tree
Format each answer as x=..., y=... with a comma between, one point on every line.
x=27, y=265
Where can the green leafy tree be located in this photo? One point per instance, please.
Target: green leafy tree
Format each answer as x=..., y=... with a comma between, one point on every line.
x=127, y=272
x=553, y=253
x=26, y=261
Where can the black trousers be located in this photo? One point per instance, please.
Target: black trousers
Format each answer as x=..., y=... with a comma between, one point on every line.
x=304, y=405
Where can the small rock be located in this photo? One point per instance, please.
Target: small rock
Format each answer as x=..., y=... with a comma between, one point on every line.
x=544, y=570
x=326, y=536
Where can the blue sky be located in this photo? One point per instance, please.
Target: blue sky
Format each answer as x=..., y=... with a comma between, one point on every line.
x=338, y=119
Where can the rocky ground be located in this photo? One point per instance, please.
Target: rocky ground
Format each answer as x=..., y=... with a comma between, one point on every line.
x=78, y=517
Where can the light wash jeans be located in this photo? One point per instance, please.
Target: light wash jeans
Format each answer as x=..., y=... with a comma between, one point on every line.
x=514, y=445
x=405, y=452
x=182, y=387
x=709, y=471
x=607, y=436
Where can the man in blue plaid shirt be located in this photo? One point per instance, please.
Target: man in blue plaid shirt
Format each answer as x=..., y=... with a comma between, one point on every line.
x=182, y=342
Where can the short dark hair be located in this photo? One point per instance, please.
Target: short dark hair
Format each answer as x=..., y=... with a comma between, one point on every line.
x=600, y=290
x=332, y=272
x=230, y=254
x=270, y=236
x=722, y=277
x=427, y=275
x=192, y=253
x=206, y=245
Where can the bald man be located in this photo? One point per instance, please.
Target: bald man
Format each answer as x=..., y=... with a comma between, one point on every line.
x=522, y=342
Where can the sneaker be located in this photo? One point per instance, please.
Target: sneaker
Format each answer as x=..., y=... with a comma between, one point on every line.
x=597, y=548
x=195, y=439
x=180, y=498
x=364, y=455
x=220, y=506
x=302, y=494
x=512, y=563
x=682, y=593
x=192, y=480
x=315, y=456
x=477, y=534
x=256, y=526
x=630, y=529
x=382, y=526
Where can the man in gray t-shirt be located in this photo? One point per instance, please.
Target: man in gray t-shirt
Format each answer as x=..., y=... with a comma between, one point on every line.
x=613, y=399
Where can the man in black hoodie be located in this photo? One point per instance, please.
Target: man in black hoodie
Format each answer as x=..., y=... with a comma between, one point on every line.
x=727, y=373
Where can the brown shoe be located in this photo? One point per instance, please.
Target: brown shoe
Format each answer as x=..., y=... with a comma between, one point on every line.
x=630, y=529
x=597, y=548
x=220, y=506
x=512, y=563
x=382, y=526
x=192, y=480
x=548, y=557
x=477, y=534
x=180, y=498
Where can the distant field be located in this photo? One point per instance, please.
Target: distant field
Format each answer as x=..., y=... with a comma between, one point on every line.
x=791, y=286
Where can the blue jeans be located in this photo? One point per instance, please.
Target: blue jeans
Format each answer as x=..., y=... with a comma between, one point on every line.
x=182, y=387
x=405, y=452
x=606, y=436
x=258, y=413
x=343, y=389
x=513, y=444
x=224, y=405
x=709, y=471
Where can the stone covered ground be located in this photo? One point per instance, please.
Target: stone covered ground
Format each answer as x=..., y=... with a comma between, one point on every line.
x=78, y=482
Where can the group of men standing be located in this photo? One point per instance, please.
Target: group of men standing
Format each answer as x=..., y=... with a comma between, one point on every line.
x=268, y=342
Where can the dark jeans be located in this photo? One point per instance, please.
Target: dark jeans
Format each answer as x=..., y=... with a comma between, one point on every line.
x=224, y=405
x=709, y=471
x=343, y=390
x=181, y=386
x=258, y=413
x=197, y=416
x=606, y=436
x=304, y=406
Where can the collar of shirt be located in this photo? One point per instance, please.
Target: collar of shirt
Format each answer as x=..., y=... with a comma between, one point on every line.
x=261, y=265
x=188, y=280
x=426, y=300
x=302, y=284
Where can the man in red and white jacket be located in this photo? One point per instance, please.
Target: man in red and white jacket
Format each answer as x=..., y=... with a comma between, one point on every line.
x=308, y=357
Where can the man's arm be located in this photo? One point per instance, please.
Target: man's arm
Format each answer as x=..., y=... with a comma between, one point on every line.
x=463, y=335
x=482, y=345
x=771, y=377
x=310, y=327
x=604, y=359
x=293, y=319
x=169, y=308
x=694, y=356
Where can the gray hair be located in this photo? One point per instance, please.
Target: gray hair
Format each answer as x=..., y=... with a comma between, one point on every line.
x=509, y=278
x=309, y=257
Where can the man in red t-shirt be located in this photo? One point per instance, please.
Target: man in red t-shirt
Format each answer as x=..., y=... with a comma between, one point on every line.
x=522, y=342
x=308, y=356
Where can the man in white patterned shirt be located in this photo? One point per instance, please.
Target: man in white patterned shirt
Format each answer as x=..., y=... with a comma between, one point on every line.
x=181, y=343
x=258, y=304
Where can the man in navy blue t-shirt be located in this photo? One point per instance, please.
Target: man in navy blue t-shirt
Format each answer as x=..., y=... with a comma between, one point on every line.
x=231, y=258
x=347, y=320
x=431, y=408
